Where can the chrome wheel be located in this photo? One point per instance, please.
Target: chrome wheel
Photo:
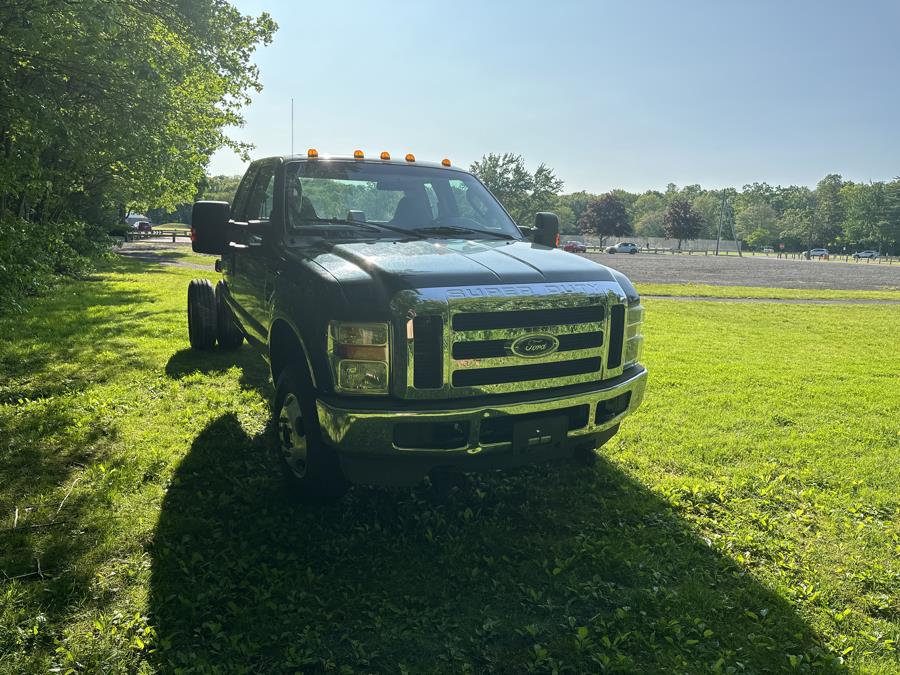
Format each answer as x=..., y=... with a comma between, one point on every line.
x=292, y=435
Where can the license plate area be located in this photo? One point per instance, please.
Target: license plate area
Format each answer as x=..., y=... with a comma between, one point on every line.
x=539, y=433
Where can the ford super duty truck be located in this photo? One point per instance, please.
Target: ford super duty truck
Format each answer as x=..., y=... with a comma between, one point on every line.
x=410, y=324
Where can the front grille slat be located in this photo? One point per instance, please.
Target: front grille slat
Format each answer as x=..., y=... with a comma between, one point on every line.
x=486, y=349
x=616, y=336
x=539, y=371
x=428, y=352
x=528, y=318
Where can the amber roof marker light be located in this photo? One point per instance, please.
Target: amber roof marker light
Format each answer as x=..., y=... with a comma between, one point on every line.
x=385, y=155
x=312, y=153
x=358, y=154
x=410, y=157
x=445, y=162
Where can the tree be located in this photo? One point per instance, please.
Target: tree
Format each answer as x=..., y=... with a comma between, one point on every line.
x=113, y=105
x=606, y=217
x=681, y=221
x=758, y=224
x=830, y=210
x=521, y=193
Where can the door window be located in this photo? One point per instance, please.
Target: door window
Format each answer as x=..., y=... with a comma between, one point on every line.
x=262, y=197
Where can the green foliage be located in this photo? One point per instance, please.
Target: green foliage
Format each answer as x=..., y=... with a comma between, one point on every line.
x=758, y=224
x=681, y=221
x=34, y=255
x=522, y=193
x=121, y=103
x=606, y=217
x=750, y=526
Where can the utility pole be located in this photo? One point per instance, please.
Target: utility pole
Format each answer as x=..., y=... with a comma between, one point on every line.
x=721, y=221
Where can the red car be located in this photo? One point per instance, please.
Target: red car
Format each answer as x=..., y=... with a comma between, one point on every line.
x=575, y=247
x=144, y=226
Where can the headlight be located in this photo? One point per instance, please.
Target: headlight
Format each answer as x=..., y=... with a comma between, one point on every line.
x=360, y=357
x=634, y=337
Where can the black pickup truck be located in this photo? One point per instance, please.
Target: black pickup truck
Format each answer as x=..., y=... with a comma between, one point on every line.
x=410, y=325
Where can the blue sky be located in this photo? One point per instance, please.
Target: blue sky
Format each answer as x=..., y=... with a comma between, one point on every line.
x=626, y=94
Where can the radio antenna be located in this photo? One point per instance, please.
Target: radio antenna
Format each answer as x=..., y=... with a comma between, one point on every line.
x=292, y=125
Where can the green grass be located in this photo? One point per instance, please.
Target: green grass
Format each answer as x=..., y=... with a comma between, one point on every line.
x=712, y=291
x=745, y=520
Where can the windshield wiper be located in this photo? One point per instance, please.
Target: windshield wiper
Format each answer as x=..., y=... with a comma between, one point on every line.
x=369, y=227
x=455, y=229
x=338, y=221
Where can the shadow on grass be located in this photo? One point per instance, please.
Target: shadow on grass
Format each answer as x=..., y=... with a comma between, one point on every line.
x=253, y=368
x=542, y=569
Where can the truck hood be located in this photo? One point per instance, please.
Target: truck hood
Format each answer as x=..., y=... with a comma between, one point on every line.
x=392, y=266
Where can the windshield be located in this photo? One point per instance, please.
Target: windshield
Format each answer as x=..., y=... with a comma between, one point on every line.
x=420, y=200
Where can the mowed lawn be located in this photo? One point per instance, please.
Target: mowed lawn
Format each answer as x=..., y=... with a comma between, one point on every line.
x=745, y=520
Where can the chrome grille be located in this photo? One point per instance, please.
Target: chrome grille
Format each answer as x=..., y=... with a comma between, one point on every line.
x=479, y=325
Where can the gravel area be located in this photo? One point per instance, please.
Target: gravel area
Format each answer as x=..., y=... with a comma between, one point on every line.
x=752, y=271
x=162, y=252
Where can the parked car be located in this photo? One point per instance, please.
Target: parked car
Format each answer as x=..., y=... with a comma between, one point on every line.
x=575, y=247
x=622, y=247
x=405, y=338
x=816, y=253
x=866, y=254
x=768, y=249
x=143, y=226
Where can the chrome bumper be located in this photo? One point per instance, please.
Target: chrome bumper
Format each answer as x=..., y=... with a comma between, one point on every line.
x=370, y=432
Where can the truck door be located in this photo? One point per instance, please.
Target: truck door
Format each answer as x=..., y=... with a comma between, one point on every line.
x=249, y=276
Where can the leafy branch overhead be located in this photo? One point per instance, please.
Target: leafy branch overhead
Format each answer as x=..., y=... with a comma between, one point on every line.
x=109, y=104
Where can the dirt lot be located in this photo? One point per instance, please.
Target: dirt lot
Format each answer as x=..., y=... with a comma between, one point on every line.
x=752, y=271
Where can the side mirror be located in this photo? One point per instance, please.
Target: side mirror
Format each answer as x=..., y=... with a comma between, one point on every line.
x=209, y=227
x=546, y=229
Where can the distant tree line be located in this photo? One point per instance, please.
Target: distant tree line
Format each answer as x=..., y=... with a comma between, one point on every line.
x=106, y=107
x=836, y=213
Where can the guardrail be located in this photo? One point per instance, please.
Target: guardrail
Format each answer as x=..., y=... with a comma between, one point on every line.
x=885, y=259
x=152, y=234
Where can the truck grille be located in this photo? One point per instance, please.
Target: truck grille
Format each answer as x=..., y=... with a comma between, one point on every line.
x=473, y=341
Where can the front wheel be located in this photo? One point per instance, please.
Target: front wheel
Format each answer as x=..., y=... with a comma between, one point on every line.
x=311, y=467
x=230, y=335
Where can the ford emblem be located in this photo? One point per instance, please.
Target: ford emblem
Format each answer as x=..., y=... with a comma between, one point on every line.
x=533, y=346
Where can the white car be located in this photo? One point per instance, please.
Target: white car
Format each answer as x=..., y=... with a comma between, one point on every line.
x=816, y=253
x=865, y=254
x=622, y=247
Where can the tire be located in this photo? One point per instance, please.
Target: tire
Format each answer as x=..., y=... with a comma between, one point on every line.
x=201, y=314
x=229, y=333
x=311, y=468
x=632, y=252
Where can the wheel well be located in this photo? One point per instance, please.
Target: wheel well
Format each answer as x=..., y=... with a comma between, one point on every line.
x=285, y=348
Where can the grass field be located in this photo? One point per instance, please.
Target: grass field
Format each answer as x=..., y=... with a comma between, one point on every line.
x=745, y=520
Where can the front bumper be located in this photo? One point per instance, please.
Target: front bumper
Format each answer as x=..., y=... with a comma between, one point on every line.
x=374, y=443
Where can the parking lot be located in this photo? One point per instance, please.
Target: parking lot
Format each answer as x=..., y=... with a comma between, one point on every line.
x=753, y=271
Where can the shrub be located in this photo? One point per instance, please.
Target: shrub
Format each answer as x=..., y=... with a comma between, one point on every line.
x=35, y=255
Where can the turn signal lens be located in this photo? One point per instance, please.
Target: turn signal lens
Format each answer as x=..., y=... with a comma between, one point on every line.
x=410, y=157
x=312, y=153
x=445, y=162
x=358, y=154
x=385, y=155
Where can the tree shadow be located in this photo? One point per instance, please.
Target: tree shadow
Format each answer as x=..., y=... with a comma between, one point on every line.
x=542, y=569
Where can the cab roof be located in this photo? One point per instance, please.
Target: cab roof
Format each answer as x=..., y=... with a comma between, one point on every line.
x=369, y=160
